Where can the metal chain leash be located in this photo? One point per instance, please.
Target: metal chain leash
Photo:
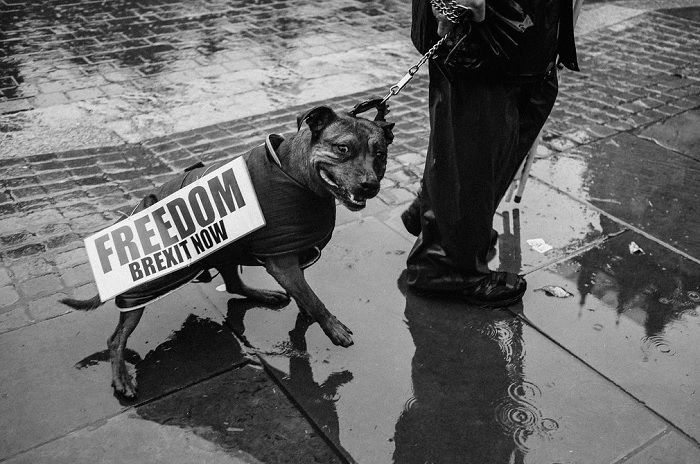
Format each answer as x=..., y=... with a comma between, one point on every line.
x=396, y=88
x=450, y=9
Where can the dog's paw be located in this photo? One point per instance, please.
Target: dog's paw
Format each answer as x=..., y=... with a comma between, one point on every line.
x=337, y=331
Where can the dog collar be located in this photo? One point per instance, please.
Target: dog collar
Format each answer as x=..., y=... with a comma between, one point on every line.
x=271, y=142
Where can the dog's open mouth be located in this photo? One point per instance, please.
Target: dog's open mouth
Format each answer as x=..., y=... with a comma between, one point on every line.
x=351, y=201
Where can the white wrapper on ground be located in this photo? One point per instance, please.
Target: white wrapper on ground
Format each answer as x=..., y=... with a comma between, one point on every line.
x=539, y=245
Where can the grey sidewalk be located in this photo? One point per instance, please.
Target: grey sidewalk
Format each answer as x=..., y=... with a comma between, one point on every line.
x=608, y=375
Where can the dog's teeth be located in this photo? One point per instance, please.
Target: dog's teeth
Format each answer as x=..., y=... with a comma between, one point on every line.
x=359, y=201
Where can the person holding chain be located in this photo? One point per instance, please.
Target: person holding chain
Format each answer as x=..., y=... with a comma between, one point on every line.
x=492, y=86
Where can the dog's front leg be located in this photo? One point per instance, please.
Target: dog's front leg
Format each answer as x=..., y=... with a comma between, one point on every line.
x=286, y=270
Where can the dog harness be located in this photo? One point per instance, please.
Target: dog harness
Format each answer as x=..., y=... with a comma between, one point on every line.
x=297, y=221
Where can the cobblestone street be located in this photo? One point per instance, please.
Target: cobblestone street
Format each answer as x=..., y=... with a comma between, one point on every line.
x=102, y=101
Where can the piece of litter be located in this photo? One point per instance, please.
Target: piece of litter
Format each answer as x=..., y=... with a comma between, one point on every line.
x=553, y=290
x=233, y=429
x=542, y=248
x=221, y=288
x=635, y=249
x=539, y=245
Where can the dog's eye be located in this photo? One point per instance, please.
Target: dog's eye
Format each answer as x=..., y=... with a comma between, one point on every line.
x=342, y=149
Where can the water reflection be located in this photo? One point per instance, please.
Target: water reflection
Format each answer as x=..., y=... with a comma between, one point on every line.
x=658, y=192
x=471, y=401
x=198, y=349
x=509, y=252
x=318, y=399
x=655, y=289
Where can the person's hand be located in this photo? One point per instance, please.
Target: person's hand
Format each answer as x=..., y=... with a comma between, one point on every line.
x=476, y=13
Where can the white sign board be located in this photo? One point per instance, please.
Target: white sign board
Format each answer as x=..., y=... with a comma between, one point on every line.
x=175, y=232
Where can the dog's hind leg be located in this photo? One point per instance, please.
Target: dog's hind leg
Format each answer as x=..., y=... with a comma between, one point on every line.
x=121, y=380
x=234, y=284
x=287, y=271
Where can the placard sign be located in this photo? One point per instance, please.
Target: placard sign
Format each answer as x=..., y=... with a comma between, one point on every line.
x=177, y=231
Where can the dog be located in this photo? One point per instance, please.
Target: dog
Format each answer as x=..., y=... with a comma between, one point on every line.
x=333, y=156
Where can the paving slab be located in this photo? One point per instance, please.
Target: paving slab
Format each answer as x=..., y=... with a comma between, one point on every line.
x=642, y=183
x=432, y=381
x=634, y=317
x=677, y=133
x=240, y=416
x=243, y=412
x=127, y=439
x=670, y=447
x=57, y=375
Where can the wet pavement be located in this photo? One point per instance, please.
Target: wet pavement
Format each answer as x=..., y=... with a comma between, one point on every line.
x=101, y=102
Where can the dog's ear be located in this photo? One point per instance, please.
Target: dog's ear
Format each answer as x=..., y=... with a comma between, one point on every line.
x=387, y=128
x=317, y=118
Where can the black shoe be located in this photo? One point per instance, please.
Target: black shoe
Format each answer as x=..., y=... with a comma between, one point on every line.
x=494, y=290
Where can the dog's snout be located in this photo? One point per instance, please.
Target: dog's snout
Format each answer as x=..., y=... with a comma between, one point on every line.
x=370, y=188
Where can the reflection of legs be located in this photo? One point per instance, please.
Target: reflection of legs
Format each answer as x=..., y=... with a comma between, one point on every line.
x=459, y=372
x=121, y=380
x=509, y=243
x=321, y=398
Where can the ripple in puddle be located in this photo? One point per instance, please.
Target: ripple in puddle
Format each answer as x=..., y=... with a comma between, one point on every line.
x=520, y=418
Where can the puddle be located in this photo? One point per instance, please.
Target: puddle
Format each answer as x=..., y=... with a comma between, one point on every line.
x=434, y=381
x=657, y=193
x=634, y=317
x=560, y=225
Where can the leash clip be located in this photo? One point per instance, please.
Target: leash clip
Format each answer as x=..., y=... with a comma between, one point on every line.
x=378, y=103
x=398, y=87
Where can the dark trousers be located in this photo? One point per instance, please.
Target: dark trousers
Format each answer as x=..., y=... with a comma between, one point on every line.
x=480, y=132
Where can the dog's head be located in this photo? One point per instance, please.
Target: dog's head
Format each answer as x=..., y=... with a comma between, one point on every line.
x=348, y=154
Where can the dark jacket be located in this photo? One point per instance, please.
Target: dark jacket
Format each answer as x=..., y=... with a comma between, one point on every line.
x=537, y=49
x=296, y=221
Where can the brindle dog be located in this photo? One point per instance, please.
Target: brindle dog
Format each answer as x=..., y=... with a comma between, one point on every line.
x=333, y=155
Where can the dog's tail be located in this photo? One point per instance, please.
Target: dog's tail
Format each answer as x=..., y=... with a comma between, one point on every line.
x=83, y=305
